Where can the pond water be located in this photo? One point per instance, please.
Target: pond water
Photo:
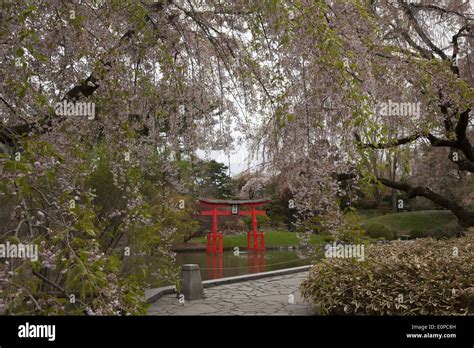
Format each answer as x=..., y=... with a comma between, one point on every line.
x=228, y=264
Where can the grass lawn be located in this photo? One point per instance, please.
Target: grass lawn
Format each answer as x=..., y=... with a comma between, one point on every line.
x=272, y=238
x=403, y=223
x=366, y=214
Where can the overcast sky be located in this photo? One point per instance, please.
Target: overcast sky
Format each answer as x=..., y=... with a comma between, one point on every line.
x=238, y=158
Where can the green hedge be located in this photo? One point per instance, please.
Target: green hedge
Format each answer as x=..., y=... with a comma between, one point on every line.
x=377, y=230
x=417, y=277
x=450, y=230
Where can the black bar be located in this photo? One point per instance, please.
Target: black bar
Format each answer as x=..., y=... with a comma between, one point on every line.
x=227, y=330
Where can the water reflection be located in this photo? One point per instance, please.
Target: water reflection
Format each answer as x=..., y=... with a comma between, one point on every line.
x=255, y=262
x=228, y=264
x=215, y=264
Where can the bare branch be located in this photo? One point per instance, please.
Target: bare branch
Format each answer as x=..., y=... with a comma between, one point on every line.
x=420, y=32
x=465, y=217
x=391, y=143
x=436, y=8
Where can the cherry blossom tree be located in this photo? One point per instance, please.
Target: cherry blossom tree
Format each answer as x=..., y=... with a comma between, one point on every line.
x=155, y=74
x=339, y=66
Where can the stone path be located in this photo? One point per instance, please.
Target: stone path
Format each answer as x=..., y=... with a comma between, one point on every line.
x=266, y=296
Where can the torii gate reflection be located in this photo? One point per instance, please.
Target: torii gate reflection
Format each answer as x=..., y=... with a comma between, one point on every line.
x=215, y=269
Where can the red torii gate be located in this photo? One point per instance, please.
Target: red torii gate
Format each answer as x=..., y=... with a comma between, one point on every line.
x=214, y=239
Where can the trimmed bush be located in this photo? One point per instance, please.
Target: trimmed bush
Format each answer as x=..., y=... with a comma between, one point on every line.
x=417, y=277
x=403, y=223
x=419, y=233
x=377, y=230
x=450, y=230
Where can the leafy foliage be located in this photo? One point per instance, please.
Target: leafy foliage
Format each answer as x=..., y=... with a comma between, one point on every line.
x=421, y=277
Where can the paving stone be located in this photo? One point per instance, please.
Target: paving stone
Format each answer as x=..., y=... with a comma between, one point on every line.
x=267, y=296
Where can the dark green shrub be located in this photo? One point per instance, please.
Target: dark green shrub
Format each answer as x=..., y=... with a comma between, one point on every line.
x=450, y=230
x=262, y=221
x=420, y=233
x=377, y=230
x=417, y=277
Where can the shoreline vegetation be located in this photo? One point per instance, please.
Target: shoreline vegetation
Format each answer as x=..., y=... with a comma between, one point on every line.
x=400, y=224
x=273, y=240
